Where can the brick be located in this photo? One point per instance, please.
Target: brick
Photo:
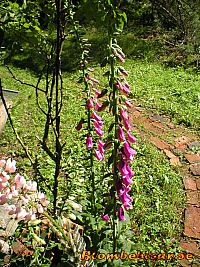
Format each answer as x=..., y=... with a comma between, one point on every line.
x=182, y=140
x=175, y=161
x=158, y=125
x=181, y=147
x=195, y=169
x=150, y=127
x=159, y=143
x=190, y=247
x=193, y=198
x=169, y=154
x=192, y=222
x=171, y=125
x=189, y=183
x=193, y=158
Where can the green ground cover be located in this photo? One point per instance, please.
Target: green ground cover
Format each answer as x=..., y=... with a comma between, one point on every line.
x=157, y=190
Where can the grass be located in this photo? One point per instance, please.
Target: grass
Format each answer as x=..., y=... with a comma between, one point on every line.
x=156, y=218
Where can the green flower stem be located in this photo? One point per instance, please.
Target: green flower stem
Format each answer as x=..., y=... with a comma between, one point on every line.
x=87, y=91
x=115, y=151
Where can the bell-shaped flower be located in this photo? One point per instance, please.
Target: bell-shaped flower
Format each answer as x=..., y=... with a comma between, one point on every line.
x=101, y=145
x=89, y=143
x=98, y=155
x=120, y=134
x=131, y=138
x=121, y=214
x=99, y=131
x=128, y=103
x=90, y=103
x=96, y=116
x=129, y=151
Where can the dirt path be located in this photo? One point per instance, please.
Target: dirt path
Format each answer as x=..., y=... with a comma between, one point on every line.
x=182, y=148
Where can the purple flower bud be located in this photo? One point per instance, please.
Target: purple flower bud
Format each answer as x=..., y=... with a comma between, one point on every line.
x=89, y=144
x=123, y=114
x=105, y=217
x=98, y=124
x=127, y=124
x=121, y=214
x=99, y=131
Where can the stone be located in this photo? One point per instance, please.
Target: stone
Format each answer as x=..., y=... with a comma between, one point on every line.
x=189, y=183
x=193, y=198
x=192, y=222
x=181, y=147
x=158, y=118
x=194, y=144
x=195, y=169
x=159, y=143
x=135, y=113
x=193, y=158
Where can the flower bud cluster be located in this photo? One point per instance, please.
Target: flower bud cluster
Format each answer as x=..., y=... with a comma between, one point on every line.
x=20, y=197
x=93, y=106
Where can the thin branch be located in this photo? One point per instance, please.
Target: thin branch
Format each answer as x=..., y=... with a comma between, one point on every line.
x=24, y=83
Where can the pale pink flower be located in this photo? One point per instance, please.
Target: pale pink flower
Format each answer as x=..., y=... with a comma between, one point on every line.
x=20, y=181
x=10, y=166
x=40, y=208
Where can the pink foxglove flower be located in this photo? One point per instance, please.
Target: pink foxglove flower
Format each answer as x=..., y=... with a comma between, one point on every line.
x=98, y=155
x=123, y=114
x=127, y=124
x=120, y=134
x=96, y=116
x=101, y=145
x=128, y=103
x=97, y=106
x=88, y=77
x=131, y=138
x=2, y=163
x=129, y=151
x=90, y=103
x=99, y=131
x=98, y=124
x=105, y=217
x=89, y=143
x=121, y=214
